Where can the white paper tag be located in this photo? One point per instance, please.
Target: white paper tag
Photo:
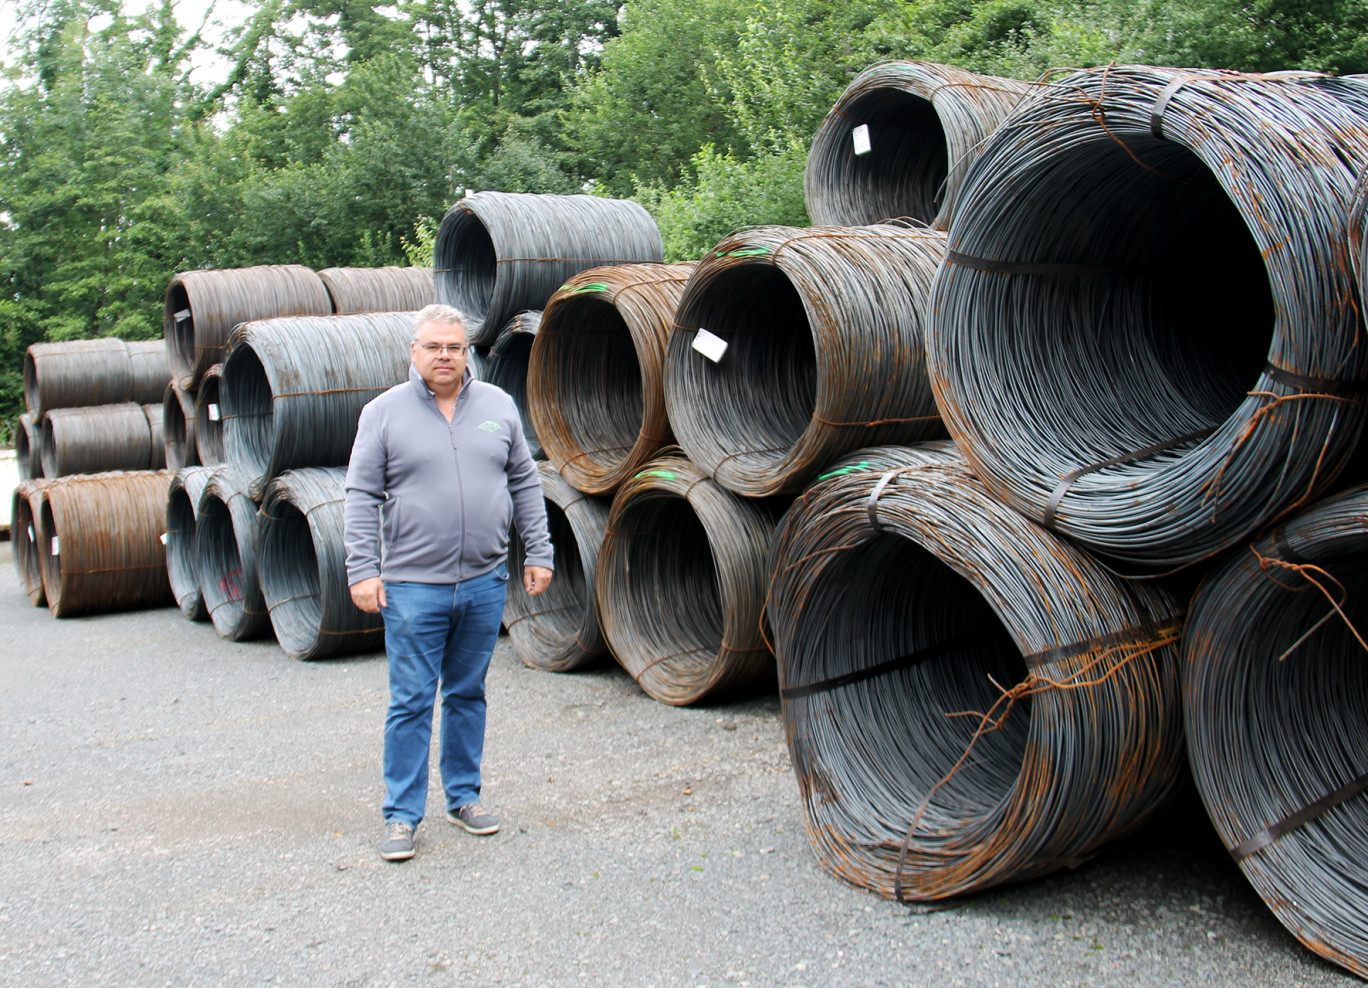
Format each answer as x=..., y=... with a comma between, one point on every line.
x=182, y=316
x=860, y=137
x=213, y=413
x=709, y=345
x=32, y=537
x=163, y=537
x=56, y=547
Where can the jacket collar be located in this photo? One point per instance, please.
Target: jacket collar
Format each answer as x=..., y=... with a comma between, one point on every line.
x=425, y=392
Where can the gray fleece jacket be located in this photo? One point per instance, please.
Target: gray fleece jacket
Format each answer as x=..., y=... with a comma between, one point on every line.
x=439, y=496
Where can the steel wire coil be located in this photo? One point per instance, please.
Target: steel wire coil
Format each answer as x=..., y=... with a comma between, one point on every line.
x=1275, y=698
x=968, y=699
x=226, y=554
x=182, y=522
x=388, y=289
x=28, y=447
x=301, y=563
x=101, y=548
x=292, y=389
x=824, y=331
x=80, y=373
x=680, y=583
x=202, y=307
x=209, y=418
x=475, y=362
x=178, y=427
x=506, y=367
x=499, y=253
x=595, y=378
x=102, y=438
x=25, y=534
x=925, y=123
x=1146, y=330
x=558, y=630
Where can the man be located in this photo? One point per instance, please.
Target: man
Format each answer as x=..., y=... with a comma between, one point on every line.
x=438, y=470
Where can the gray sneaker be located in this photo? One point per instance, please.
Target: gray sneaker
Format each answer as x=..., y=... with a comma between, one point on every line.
x=398, y=843
x=474, y=818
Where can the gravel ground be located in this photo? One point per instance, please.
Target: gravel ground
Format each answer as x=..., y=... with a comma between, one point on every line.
x=181, y=810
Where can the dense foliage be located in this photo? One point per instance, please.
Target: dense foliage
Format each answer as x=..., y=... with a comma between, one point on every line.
x=341, y=130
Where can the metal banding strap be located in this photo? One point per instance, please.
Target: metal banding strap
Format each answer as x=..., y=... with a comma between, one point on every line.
x=872, y=505
x=960, y=643
x=1149, y=631
x=1067, y=481
x=1315, y=385
x=1299, y=819
x=992, y=266
x=1161, y=104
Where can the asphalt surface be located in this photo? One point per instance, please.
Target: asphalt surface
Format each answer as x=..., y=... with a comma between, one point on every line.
x=180, y=810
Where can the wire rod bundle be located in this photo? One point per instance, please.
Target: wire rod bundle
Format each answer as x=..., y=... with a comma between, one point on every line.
x=498, y=253
x=226, y=554
x=899, y=142
x=595, y=378
x=388, y=289
x=101, y=548
x=178, y=427
x=78, y=373
x=1275, y=691
x=558, y=630
x=681, y=583
x=1146, y=331
x=293, y=389
x=301, y=562
x=968, y=698
x=209, y=418
x=102, y=438
x=823, y=330
x=28, y=447
x=25, y=515
x=202, y=307
x=506, y=367
x=182, y=521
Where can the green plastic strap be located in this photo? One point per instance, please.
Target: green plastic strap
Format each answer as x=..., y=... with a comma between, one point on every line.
x=751, y=252
x=662, y=474
x=844, y=471
x=596, y=286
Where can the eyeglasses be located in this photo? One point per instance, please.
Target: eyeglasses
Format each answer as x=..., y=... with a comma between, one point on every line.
x=455, y=349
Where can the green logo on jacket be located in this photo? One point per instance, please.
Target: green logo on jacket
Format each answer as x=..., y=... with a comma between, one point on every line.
x=489, y=425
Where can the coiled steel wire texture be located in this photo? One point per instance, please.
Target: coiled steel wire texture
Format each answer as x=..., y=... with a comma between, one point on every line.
x=388, y=289
x=925, y=123
x=681, y=583
x=1146, y=331
x=292, y=390
x=499, y=253
x=28, y=447
x=178, y=427
x=968, y=699
x=1275, y=698
x=102, y=438
x=209, y=418
x=595, y=378
x=824, y=330
x=506, y=367
x=226, y=553
x=25, y=534
x=182, y=522
x=558, y=630
x=202, y=307
x=301, y=562
x=79, y=373
x=101, y=548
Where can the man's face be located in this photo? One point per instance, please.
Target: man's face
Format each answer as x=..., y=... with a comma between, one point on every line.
x=440, y=368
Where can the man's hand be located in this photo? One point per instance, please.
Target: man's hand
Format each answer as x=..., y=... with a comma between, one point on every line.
x=369, y=595
x=535, y=579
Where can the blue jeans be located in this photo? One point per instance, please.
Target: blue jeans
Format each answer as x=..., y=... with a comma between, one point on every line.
x=438, y=632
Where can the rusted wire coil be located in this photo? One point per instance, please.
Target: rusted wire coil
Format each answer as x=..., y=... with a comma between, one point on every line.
x=226, y=554
x=107, y=371
x=1146, y=331
x=301, y=563
x=595, y=379
x=102, y=438
x=681, y=583
x=506, y=367
x=968, y=699
x=202, y=307
x=1275, y=690
x=924, y=123
x=28, y=447
x=498, y=253
x=182, y=521
x=389, y=289
x=178, y=427
x=558, y=630
x=824, y=330
x=101, y=548
x=209, y=418
x=25, y=534
x=292, y=389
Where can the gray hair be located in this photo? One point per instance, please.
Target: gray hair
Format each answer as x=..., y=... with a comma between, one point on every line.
x=437, y=312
